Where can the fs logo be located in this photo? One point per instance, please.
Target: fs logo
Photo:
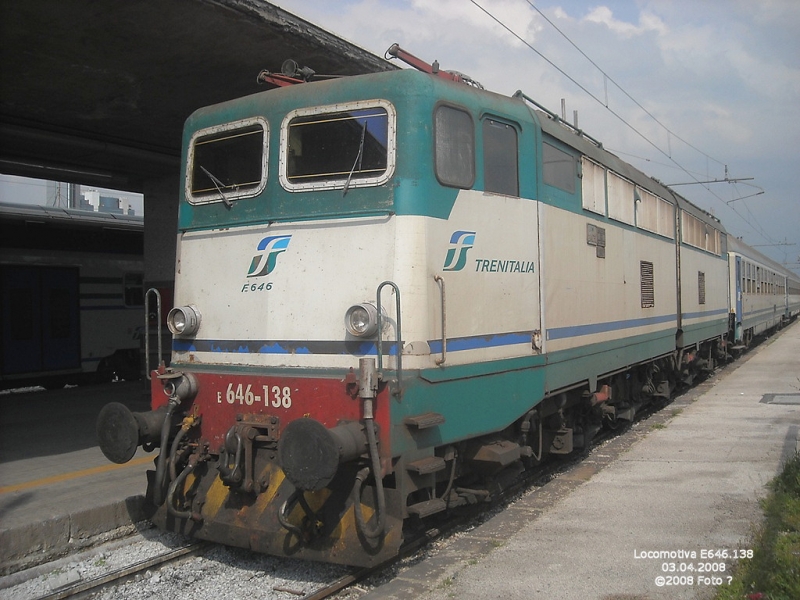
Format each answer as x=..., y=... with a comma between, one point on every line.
x=270, y=247
x=460, y=242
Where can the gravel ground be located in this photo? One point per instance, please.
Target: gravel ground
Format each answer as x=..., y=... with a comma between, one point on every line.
x=221, y=573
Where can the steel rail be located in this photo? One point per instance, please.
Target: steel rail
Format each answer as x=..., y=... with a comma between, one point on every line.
x=83, y=588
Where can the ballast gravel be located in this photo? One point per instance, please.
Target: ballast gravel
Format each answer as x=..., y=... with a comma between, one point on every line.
x=221, y=573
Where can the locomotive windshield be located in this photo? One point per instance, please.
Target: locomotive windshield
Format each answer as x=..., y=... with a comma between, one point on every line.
x=228, y=162
x=345, y=148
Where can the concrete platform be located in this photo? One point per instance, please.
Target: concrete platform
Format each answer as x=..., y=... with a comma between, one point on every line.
x=633, y=520
x=58, y=493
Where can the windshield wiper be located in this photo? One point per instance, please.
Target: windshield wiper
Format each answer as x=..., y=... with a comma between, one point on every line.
x=217, y=183
x=359, y=157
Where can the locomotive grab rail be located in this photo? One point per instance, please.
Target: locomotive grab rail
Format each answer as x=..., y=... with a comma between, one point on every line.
x=147, y=329
x=440, y=361
x=398, y=331
x=557, y=119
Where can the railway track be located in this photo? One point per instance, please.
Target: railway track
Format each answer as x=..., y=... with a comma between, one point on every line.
x=83, y=589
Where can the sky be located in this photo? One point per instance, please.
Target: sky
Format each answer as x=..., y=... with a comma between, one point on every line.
x=685, y=90
x=25, y=190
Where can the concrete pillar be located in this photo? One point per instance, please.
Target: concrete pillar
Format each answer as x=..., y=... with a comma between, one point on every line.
x=161, y=198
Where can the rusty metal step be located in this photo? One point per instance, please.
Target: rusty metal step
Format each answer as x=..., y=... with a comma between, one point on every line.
x=427, y=508
x=425, y=466
x=425, y=420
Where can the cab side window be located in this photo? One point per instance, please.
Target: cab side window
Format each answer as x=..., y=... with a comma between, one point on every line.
x=500, y=161
x=454, y=147
x=558, y=168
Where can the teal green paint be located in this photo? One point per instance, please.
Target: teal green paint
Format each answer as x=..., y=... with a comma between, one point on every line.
x=450, y=373
x=471, y=407
x=481, y=398
x=412, y=190
x=530, y=169
x=561, y=199
x=556, y=196
x=700, y=332
x=567, y=367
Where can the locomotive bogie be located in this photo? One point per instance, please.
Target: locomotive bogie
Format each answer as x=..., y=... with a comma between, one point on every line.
x=274, y=521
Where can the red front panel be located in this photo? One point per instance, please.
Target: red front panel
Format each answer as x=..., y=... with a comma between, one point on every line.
x=221, y=397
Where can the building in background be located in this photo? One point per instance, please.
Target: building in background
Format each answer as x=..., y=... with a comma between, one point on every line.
x=69, y=195
x=25, y=190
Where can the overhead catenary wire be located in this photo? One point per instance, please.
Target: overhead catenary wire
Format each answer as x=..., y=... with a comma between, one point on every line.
x=759, y=231
x=608, y=77
x=582, y=87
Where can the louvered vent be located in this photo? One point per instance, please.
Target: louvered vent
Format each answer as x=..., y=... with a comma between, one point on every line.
x=648, y=285
x=701, y=287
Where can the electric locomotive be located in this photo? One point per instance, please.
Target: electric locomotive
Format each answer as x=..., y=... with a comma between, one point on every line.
x=396, y=291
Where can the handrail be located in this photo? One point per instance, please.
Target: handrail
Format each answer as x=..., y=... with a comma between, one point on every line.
x=557, y=119
x=441, y=361
x=398, y=330
x=147, y=329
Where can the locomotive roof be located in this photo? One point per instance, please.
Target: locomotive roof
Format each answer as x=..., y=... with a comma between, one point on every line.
x=404, y=80
x=591, y=148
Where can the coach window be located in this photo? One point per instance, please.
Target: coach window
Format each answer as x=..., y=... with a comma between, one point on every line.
x=454, y=147
x=743, y=267
x=227, y=162
x=558, y=168
x=500, y=161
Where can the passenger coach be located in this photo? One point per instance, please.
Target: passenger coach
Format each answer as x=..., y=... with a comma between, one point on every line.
x=70, y=296
x=764, y=294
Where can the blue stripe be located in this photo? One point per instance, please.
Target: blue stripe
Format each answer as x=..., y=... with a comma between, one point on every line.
x=764, y=311
x=560, y=333
x=345, y=347
x=475, y=342
x=334, y=347
x=709, y=313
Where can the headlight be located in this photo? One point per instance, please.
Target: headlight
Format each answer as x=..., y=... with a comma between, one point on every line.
x=361, y=320
x=183, y=320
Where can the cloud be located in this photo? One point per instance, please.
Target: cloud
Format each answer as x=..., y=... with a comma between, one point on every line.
x=647, y=23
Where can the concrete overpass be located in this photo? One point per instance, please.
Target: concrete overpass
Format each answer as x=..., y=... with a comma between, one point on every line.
x=97, y=92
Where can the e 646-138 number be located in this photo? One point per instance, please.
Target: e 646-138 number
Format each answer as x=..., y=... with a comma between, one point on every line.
x=274, y=396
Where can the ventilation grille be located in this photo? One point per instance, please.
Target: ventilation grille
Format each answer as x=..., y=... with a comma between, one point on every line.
x=648, y=285
x=701, y=287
